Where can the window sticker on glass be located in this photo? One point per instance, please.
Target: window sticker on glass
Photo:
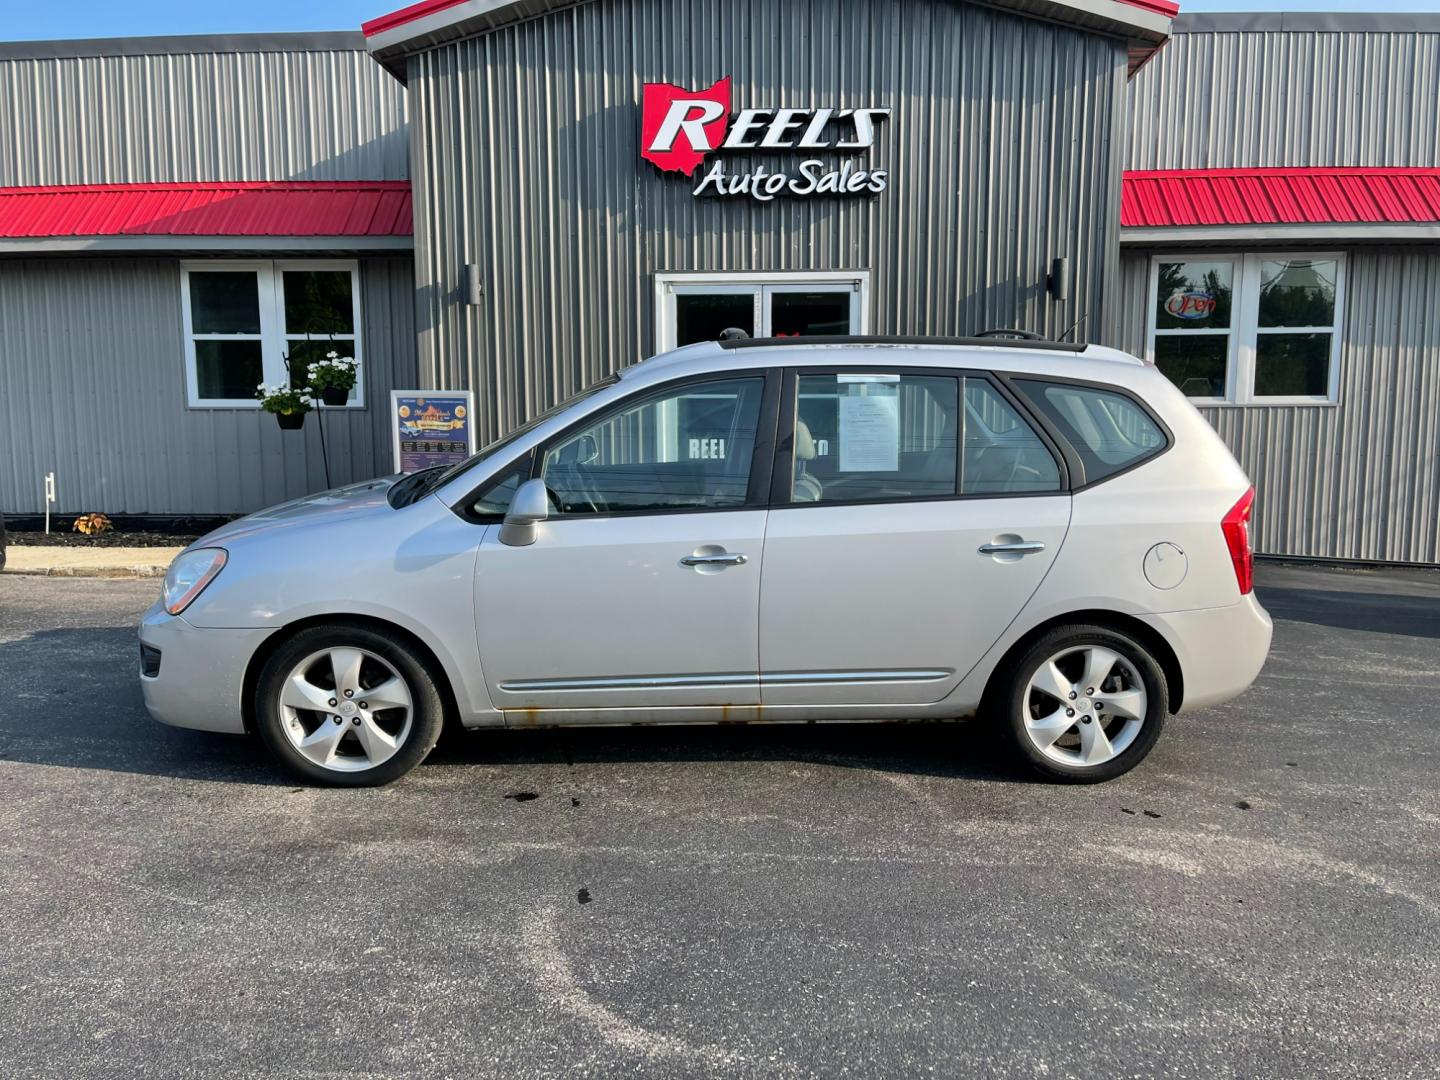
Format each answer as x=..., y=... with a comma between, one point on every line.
x=852, y=379
x=870, y=431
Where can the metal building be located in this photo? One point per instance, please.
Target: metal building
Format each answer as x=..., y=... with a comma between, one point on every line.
x=517, y=197
x=138, y=176
x=1280, y=259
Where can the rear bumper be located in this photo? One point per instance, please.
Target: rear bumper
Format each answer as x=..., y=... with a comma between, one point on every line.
x=202, y=672
x=1221, y=650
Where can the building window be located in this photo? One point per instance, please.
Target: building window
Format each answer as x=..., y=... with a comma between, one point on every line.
x=697, y=307
x=1248, y=329
x=253, y=322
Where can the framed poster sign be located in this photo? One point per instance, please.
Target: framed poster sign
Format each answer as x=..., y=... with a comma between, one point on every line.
x=430, y=428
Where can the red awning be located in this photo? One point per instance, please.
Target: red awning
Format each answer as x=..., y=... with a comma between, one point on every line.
x=1220, y=197
x=341, y=208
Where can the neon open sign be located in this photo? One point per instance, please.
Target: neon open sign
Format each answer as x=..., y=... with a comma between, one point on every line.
x=1194, y=304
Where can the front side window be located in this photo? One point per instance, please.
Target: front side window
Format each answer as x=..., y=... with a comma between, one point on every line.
x=888, y=437
x=1108, y=431
x=251, y=322
x=688, y=448
x=1248, y=329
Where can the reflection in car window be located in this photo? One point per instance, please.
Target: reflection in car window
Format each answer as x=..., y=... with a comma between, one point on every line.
x=1109, y=431
x=892, y=437
x=495, y=499
x=1002, y=453
x=873, y=437
x=686, y=448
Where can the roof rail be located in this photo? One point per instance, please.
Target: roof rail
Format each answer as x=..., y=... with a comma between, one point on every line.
x=900, y=339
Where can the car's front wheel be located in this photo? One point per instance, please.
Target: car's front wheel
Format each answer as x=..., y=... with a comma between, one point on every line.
x=347, y=706
x=1084, y=703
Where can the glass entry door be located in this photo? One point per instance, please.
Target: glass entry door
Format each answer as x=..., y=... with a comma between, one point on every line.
x=695, y=307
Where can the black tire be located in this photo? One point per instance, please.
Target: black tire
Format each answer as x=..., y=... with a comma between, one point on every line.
x=427, y=705
x=1010, y=699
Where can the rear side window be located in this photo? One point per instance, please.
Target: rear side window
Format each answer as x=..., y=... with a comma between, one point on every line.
x=1108, y=431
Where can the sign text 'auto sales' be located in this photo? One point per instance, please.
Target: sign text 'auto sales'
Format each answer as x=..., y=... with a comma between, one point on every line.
x=680, y=128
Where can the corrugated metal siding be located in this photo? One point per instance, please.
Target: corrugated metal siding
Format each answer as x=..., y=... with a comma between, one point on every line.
x=526, y=158
x=1262, y=98
x=304, y=115
x=92, y=386
x=1360, y=480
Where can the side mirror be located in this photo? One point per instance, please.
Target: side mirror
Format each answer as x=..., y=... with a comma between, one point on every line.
x=529, y=507
x=587, y=450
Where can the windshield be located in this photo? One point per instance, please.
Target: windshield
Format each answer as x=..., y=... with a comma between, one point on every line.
x=417, y=485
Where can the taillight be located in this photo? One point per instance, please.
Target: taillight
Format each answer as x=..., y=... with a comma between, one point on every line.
x=1236, y=527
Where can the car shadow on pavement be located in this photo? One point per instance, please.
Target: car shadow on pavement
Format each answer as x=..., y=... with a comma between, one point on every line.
x=1381, y=613
x=71, y=699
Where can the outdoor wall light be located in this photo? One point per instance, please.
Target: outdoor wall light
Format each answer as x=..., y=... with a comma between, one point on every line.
x=1058, y=283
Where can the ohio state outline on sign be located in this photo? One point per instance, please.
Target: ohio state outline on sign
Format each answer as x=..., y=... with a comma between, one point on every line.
x=679, y=127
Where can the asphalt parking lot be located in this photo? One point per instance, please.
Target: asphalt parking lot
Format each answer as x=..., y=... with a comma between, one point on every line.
x=1261, y=898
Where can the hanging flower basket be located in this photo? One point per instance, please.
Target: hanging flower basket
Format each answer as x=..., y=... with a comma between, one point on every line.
x=288, y=403
x=334, y=377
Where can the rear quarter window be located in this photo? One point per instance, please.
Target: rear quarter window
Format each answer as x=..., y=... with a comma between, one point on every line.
x=1108, y=431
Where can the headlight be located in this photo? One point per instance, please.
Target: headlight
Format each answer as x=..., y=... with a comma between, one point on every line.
x=188, y=575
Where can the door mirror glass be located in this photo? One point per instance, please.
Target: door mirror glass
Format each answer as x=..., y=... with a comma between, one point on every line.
x=530, y=506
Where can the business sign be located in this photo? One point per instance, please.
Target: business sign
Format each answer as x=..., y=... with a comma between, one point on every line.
x=680, y=128
x=1193, y=304
x=431, y=428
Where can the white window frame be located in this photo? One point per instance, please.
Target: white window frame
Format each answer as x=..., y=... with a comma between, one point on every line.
x=273, y=338
x=1244, y=328
x=762, y=286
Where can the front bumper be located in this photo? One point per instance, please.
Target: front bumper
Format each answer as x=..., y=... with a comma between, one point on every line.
x=202, y=672
x=1221, y=650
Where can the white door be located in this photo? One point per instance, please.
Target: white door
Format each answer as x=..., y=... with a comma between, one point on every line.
x=922, y=512
x=642, y=589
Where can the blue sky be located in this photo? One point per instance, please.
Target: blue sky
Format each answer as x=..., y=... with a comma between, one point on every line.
x=30, y=19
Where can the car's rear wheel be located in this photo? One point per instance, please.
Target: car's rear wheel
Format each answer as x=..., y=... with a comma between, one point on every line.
x=1084, y=703
x=347, y=706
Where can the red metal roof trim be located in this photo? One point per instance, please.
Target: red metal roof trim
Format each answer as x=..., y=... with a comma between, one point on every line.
x=1279, y=197
x=291, y=208
x=381, y=23
x=1160, y=7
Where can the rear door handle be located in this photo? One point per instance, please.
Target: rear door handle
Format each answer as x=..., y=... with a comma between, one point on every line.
x=1017, y=547
x=724, y=558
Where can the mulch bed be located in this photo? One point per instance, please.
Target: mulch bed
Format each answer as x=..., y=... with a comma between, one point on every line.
x=65, y=538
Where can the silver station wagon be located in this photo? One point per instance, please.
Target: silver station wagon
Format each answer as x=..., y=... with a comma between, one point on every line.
x=1047, y=536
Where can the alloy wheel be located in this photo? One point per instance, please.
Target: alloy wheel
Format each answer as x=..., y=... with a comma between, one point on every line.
x=346, y=709
x=1084, y=706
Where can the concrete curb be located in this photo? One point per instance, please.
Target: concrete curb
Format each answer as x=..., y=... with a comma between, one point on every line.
x=117, y=562
x=151, y=571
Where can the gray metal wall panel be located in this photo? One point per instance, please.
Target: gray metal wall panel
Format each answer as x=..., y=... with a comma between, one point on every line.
x=1288, y=98
x=1359, y=480
x=526, y=161
x=280, y=115
x=92, y=386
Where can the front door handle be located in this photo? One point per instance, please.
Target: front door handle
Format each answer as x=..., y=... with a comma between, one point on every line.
x=721, y=558
x=1017, y=547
